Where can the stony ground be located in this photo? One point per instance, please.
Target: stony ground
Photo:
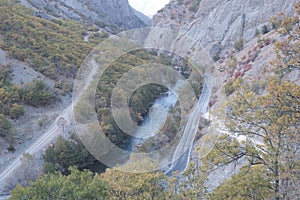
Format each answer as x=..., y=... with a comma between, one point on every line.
x=27, y=127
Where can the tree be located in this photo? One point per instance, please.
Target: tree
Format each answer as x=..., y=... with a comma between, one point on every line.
x=270, y=123
x=125, y=185
x=193, y=183
x=115, y=183
x=249, y=183
x=262, y=129
x=67, y=153
x=77, y=185
x=287, y=50
x=6, y=128
x=231, y=86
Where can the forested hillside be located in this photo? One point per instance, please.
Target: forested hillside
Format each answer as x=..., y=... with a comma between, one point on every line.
x=54, y=47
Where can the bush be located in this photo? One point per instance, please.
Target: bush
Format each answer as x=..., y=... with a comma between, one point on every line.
x=16, y=111
x=195, y=6
x=231, y=86
x=11, y=148
x=9, y=93
x=66, y=153
x=6, y=128
x=264, y=29
x=256, y=33
x=36, y=93
x=216, y=57
x=239, y=44
x=232, y=63
x=228, y=88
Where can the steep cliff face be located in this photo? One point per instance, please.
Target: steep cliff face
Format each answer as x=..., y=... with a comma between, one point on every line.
x=110, y=14
x=219, y=23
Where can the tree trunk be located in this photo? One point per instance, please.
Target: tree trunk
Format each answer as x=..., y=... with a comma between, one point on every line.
x=276, y=174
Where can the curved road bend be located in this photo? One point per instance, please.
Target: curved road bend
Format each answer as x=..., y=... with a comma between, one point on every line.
x=181, y=156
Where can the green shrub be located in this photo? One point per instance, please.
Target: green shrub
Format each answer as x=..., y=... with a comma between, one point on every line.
x=36, y=93
x=16, y=111
x=256, y=33
x=195, y=6
x=6, y=128
x=50, y=47
x=9, y=93
x=231, y=86
x=67, y=153
x=228, y=88
x=264, y=29
x=239, y=44
x=232, y=63
x=11, y=148
x=216, y=57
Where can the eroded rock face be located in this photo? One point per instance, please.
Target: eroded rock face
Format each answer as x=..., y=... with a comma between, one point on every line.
x=112, y=14
x=218, y=24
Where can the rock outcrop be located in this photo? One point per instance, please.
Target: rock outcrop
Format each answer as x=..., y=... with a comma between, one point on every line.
x=113, y=15
x=218, y=24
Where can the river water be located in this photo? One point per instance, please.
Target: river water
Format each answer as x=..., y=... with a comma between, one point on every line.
x=156, y=118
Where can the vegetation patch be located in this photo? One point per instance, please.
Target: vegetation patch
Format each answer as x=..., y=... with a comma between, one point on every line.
x=143, y=98
x=51, y=47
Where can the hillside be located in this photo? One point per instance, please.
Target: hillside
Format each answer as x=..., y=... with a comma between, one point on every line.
x=113, y=16
x=232, y=134
x=40, y=57
x=216, y=25
x=241, y=37
x=39, y=60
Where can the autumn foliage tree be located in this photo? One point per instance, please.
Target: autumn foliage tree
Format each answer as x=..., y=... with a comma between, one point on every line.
x=262, y=129
x=259, y=186
x=287, y=50
x=77, y=185
x=270, y=123
x=126, y=185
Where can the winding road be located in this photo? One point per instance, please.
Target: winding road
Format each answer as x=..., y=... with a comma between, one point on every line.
x=52, y=132
x=182, y=154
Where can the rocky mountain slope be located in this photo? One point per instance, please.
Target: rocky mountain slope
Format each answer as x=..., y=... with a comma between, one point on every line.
x=113, y=15
x=218, y=24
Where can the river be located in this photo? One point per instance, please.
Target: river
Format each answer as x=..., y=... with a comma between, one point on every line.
x=154, y=120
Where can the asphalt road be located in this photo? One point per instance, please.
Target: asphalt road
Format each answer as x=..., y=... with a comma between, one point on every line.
x=4, y=197
x=53, y=131
x=50, y=134
x=182, y=154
